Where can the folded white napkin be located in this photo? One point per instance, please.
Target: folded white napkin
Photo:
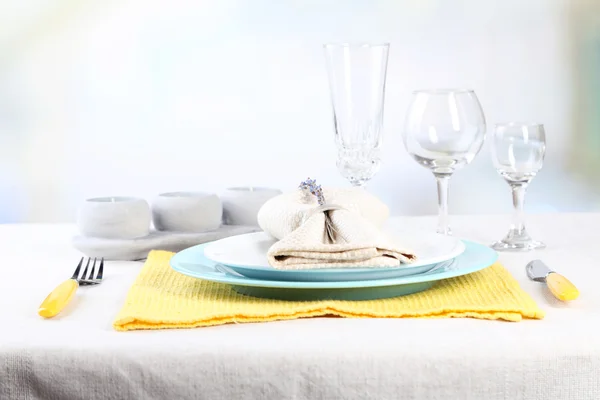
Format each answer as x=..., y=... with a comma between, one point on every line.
x=304, y=242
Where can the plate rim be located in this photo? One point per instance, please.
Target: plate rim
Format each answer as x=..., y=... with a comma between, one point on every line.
x=459, y=249
x=219, y=277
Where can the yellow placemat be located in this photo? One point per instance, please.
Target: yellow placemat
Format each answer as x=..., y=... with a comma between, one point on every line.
x=162, y=298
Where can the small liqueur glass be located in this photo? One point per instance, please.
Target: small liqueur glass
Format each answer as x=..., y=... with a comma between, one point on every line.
x=357, y=75
x=444, y=131
x=518, y=151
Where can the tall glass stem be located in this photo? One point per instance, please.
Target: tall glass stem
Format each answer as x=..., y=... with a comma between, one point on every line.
x=517, y=237
x=360, y=185
x=442, y=189
x=518, y=197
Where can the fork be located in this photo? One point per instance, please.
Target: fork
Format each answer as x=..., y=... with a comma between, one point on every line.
x=56, y=301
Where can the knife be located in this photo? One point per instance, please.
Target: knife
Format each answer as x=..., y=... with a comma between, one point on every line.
x=559, y=286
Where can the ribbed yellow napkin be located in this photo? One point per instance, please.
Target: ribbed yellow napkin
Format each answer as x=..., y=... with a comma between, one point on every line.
x=162, y=298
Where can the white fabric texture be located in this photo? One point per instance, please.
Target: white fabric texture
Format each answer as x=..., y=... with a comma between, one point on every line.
x=78, y=355
x=303, y=239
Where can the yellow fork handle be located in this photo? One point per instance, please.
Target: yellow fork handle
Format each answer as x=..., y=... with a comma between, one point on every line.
x=561, y=287
x=58, y=298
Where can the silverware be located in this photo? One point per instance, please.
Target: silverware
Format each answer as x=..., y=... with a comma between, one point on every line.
x=226, y=270
x=559, y=286
x=56, y=301
x=442, y=265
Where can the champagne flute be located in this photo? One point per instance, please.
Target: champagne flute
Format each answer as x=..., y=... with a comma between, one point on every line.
x=444, y=131
x=357, y=74
x=518, y=151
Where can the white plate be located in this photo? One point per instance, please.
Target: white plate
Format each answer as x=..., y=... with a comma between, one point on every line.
x=192, y=262
x=247, y=255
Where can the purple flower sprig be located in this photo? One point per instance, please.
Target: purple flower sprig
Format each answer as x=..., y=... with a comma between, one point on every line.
x=310, y=185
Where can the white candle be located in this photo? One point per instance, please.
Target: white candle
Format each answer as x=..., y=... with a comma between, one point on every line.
x=241, y=204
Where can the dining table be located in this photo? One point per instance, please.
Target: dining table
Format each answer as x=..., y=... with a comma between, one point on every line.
x=79, y=355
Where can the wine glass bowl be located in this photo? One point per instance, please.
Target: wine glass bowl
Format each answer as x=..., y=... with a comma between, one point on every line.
x=357, y=76
x=444, y=131
x=518, y=151
x=445, y=128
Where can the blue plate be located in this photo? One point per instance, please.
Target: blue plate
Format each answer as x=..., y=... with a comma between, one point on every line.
x=329, y=275
x=192, y=262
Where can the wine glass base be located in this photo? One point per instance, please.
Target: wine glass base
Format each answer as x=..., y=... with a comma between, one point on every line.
x=505, y=245
x=444, y=231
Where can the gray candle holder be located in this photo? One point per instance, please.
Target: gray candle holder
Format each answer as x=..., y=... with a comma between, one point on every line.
x=241, y=204
x=118, y=228
x=138, y=249
x=114, y=218
x=187, y=212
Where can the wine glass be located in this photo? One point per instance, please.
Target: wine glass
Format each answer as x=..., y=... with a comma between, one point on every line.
x=444, y=131
x=357, y=74
x=518, y=151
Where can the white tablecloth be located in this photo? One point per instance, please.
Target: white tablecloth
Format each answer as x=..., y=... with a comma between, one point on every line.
x=78, y=355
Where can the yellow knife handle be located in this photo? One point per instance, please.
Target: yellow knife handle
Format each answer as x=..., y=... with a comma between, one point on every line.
x=58, y=298
x=561, y=287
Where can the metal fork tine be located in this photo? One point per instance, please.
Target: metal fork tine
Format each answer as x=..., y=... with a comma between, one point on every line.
x=101, y=269
x=76, y=273
x=86, y=268
x=91, y=275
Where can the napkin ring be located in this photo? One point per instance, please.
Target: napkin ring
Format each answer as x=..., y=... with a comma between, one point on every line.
x=310, y=187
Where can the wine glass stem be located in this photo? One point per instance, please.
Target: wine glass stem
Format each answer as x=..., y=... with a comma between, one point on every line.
x=518, y=196
x=442, y=189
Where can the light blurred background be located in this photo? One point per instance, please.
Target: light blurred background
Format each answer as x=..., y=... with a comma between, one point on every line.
x=137, y=97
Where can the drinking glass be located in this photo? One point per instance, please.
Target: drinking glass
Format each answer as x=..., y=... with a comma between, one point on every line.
x=518, y=151
x=357, y=74
x=444, y=131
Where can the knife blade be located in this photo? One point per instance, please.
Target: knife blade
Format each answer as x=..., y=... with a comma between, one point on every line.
x=558, y=285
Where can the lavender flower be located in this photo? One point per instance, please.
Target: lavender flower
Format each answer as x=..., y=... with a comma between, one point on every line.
x=311, y=186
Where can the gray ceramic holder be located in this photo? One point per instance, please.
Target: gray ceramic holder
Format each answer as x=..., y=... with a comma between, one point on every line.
x=187, y=212
x=118, y=228
x=138, y=249
x=241, y=204
x=114, y=218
